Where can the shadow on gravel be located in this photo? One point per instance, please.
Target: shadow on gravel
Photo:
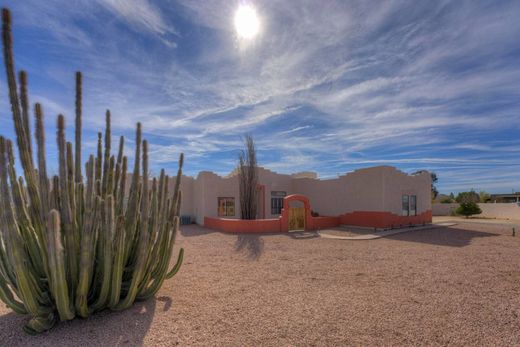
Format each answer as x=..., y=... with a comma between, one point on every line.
x=194, y=230
x=252, y=245
x=106, y=328
x=447, y=236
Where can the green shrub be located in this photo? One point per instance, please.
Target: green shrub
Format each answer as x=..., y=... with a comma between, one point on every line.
x=468, y=209
x=465, y=197
x=68, y=247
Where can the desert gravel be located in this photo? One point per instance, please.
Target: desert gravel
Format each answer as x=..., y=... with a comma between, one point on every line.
x=446, y=286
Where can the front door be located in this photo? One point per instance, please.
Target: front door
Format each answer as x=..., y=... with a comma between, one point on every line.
x=296, y=218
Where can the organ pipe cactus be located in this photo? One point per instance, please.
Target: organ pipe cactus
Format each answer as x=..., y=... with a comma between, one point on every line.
x=77, y=244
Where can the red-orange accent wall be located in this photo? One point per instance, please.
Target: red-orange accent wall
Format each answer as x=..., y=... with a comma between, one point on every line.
x=383, y=219
x=357, y=218
x=242, y=225
x=317, y=223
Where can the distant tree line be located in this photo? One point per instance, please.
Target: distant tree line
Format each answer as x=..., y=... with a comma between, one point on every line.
x=469, y=196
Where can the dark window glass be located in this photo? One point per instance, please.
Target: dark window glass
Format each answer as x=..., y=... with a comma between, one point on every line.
x=406, y=205
x=276, y=205
x=413, y=205
x=277, y=201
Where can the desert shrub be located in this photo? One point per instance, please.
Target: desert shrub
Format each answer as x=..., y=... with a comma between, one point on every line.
x=465, y=197
x=468, y=209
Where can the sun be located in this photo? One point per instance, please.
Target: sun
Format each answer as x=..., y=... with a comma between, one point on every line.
x=247, y=23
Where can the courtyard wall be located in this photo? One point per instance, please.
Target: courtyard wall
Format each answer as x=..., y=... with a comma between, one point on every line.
x=489, y=210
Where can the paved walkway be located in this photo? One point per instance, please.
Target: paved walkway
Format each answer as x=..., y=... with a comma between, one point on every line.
x=384, y=233
x=456, y=219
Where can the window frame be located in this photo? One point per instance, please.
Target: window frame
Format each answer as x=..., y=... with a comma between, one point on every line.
x=405, y=211
x=229, y=206
x=277, y=197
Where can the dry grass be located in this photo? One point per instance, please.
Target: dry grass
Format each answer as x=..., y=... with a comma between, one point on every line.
x=451, y=286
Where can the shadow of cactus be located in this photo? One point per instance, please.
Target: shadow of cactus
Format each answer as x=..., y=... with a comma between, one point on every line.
x=71, y=247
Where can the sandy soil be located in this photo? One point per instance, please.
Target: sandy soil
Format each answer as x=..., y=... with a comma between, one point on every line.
x=447, y=286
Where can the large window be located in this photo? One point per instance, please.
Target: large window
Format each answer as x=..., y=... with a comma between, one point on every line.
x=406, y=205
x=413, y=205
x=277, y=202
x=409, y=205
x=226, y=207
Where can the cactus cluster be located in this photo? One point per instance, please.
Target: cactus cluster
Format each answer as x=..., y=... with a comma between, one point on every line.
x=68, y=246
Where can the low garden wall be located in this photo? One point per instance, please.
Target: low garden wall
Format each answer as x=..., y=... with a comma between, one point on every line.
x=265, y=225
x=242, y=225
x=324, y=222
x=363, y=219
x=383, y=219
x=492, y=210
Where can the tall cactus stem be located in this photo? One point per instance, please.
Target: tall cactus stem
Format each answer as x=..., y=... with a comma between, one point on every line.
x=99, y=158
x=78, y=128
x=59, y=287
x=106, y=164
x=42, y=165
x=65, y=208
x=24, y=103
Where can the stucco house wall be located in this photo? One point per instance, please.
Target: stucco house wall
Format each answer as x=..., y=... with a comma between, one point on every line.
x=207, y=188
x=271, y=181
x=186, y=188
x=359, y=190
x=397, y=183
x=376, y=189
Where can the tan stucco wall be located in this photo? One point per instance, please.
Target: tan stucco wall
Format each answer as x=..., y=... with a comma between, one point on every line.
x=358, y=190
x=187, y=193
x=397, y=183
x=373, y=189
x=207, y=188
x=491, y=210
x=376, y=189
x=274, y=182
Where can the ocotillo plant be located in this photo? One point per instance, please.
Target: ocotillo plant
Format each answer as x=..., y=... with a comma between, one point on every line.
x=70, y=247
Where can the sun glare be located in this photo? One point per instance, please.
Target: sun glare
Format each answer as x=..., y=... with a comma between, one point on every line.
x=247, y=24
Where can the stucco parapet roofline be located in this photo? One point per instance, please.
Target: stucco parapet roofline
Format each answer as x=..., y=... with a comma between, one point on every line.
x=382, y=168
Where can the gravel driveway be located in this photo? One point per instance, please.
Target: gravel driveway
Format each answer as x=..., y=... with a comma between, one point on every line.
x=447, y=286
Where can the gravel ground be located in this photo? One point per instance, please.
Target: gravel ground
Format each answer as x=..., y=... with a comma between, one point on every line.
x=447, y=286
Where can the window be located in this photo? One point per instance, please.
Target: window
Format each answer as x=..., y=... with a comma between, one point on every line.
x=413, y=205
x=277, y=201
x=226, y=207
x=405, y=205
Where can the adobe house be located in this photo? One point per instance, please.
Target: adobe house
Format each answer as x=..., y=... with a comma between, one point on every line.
x=378, y=197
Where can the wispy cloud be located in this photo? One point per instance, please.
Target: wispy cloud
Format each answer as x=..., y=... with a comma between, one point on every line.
x=327, y=86
x=143, y=14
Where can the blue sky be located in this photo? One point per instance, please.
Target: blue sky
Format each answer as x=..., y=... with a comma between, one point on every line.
x=326, y=86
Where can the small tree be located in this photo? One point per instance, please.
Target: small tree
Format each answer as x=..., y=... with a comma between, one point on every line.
x=468, y=209
x=465, y=197
x=248, y=179
x=484, y=196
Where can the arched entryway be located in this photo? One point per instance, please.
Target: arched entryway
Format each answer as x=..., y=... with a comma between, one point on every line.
x=295, y=213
